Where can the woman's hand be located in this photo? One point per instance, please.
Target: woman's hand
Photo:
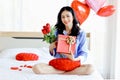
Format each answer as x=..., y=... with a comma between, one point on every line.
x=71, y=56
x=52, y=46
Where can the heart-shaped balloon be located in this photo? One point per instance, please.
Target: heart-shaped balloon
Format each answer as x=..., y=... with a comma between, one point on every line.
x=95, y=4
x=82, y=10
x=106, y=11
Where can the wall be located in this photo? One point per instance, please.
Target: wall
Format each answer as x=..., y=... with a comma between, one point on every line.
x=97, y=26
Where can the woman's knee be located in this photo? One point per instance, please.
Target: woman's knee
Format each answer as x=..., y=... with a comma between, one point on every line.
x=39, y=68
x=43, y=68
x=35, y=69
x=89, y=69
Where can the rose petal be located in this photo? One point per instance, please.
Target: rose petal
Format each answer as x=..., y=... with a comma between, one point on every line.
x=14, y=68
x=29, y=66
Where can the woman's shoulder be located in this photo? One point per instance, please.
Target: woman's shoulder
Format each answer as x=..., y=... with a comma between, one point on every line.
x=82, y=32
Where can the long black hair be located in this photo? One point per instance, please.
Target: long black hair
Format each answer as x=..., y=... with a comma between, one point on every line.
x=60, y=26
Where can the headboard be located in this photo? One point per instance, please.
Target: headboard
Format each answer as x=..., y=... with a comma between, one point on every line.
x=88, y=40
x=21, y=34
x=25, y=39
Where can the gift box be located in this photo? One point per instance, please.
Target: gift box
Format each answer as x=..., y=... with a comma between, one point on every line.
x=66, y=44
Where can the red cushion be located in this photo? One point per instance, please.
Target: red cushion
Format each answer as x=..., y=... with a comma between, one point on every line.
x=64, y=64
x=26, y=56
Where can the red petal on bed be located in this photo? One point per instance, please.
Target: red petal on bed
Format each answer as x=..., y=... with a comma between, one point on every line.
x=14, y=68
x=29, y=66
x=21, y=65
x=20, y=69
x=25, y=65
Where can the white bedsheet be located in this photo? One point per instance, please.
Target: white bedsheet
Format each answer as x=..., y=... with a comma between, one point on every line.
x=7, y=60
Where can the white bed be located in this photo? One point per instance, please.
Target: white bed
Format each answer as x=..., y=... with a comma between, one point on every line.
x=10, y=47
x=8, y=60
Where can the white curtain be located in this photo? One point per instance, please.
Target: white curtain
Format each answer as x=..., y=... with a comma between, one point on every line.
x=28, y=15
x=10, y=15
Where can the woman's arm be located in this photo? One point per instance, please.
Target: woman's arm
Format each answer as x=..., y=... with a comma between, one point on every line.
x=51, y=48
x=81, y=48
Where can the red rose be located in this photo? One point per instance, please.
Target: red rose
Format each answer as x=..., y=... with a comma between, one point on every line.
x=46, y=29
x=47, y=24
x=48, y=33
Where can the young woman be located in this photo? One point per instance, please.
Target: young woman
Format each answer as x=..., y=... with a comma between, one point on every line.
x=67, y=24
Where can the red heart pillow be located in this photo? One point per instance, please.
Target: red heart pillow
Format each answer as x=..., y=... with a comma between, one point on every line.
x=64, y=64
x=26, y=56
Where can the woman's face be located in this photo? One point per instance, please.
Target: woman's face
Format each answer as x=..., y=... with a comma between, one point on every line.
x=67, y=18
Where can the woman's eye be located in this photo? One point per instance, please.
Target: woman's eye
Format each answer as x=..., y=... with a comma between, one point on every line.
x=63, y=17
x=68, y=16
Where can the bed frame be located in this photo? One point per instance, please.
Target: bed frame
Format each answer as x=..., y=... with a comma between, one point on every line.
x=25, y=34
x=25, y=39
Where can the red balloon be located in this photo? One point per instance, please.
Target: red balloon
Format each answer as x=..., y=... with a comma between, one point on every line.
x=82, y=10
x=106, y=11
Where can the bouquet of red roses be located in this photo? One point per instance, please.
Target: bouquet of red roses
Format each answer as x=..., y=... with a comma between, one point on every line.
x=49, y=33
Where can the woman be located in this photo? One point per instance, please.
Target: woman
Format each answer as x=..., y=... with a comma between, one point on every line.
x=67, y=24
